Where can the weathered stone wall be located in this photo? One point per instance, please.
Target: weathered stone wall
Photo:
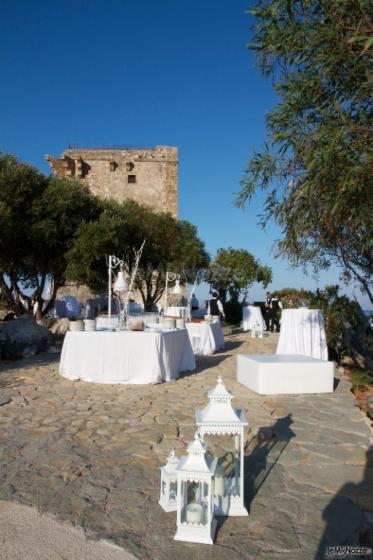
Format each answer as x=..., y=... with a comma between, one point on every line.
x=108, y=173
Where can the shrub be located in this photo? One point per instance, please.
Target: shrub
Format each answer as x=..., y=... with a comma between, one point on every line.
x=233, y=311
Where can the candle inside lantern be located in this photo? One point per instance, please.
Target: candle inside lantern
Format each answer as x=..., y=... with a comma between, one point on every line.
x=219, y=485
x=219, y=481
x=194, y=513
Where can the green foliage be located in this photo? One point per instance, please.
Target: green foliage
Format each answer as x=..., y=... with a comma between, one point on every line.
x=360, y=379
x=316, y=165
x=233, y=312
x=233, y=271
x=170, y=245
x=38, y=220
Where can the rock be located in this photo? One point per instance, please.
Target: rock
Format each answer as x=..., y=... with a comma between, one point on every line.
x=22, y=338
x=5, y=398
x=59, y=326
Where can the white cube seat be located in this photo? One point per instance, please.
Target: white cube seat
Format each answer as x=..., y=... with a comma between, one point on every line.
x=285, y=374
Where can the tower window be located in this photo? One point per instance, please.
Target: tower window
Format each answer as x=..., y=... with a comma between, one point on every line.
x=132, y=178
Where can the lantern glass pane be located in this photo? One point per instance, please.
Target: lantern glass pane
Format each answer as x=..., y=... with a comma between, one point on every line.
x=197, y=502
x=227, y=449
x=173, y=491
x=183, y=501
x=163, y=487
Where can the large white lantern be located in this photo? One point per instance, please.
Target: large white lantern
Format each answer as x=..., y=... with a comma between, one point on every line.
x=169, y=483
x=220, y=419
x=120, y=284
x=195, y=505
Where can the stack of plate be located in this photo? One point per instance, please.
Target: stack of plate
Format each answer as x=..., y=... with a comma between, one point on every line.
x=90, y=325
x=76, y=325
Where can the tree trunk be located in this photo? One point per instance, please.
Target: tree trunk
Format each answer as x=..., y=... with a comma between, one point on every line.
x=15, y=304
x=56, y=285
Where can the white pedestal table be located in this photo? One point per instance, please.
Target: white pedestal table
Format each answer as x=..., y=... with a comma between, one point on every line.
x=303, y=333
x=251, y=317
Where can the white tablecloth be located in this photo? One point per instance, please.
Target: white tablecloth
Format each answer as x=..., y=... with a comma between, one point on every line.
x=303, y=333
x=251, y=316
x=177, y=311
x=125, y=356
x=205, y=338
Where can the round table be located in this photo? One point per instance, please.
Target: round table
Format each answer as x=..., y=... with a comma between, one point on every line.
x=303, y=333
x=251, y=317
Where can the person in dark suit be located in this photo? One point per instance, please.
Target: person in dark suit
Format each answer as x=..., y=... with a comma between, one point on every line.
x=267, y=311
x=274, y=313
x=215, y=306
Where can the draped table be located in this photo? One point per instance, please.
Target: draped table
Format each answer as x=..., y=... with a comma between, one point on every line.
x=251, y=316
x=205, y=338
x=303, y=333
x=136, y=357
x=177, y=311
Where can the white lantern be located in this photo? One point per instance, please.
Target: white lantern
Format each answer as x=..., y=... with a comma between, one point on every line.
x=169, y=483
x=257, y=331
x=177, y=290
x=195, y=506
x=220, y=419
x=120, y=284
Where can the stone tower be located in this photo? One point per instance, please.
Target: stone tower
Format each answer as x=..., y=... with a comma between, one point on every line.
x=148, y=176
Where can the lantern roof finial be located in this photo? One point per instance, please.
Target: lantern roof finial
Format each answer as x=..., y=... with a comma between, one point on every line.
x=196, y=461
x=172, y=462
x=220, y=393
x=219, y=409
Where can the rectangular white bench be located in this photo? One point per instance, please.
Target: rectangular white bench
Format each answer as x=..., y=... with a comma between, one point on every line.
x=285, y=374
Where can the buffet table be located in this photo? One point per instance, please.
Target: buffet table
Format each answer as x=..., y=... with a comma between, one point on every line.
x=205, y=338
x=136, y=357
x=177, y=311
x=251, y=317
x=303, y=333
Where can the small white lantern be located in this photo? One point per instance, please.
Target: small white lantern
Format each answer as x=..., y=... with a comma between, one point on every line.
x=195, y=505
x=169, y=483
x=257, y=331
x=219, y=418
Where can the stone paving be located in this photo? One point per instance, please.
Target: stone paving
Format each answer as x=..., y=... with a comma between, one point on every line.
x=91, y=455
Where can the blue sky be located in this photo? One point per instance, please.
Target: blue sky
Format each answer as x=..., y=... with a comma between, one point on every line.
x=141, y=72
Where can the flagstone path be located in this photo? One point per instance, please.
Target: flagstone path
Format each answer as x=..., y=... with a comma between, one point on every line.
x=90, y=454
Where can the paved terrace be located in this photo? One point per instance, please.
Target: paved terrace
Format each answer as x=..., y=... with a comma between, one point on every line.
x=91, y=455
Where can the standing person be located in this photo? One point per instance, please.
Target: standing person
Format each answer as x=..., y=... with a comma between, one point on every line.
x=267, y=311
x=194, y=303
x=215, y=306
x=276, y=305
